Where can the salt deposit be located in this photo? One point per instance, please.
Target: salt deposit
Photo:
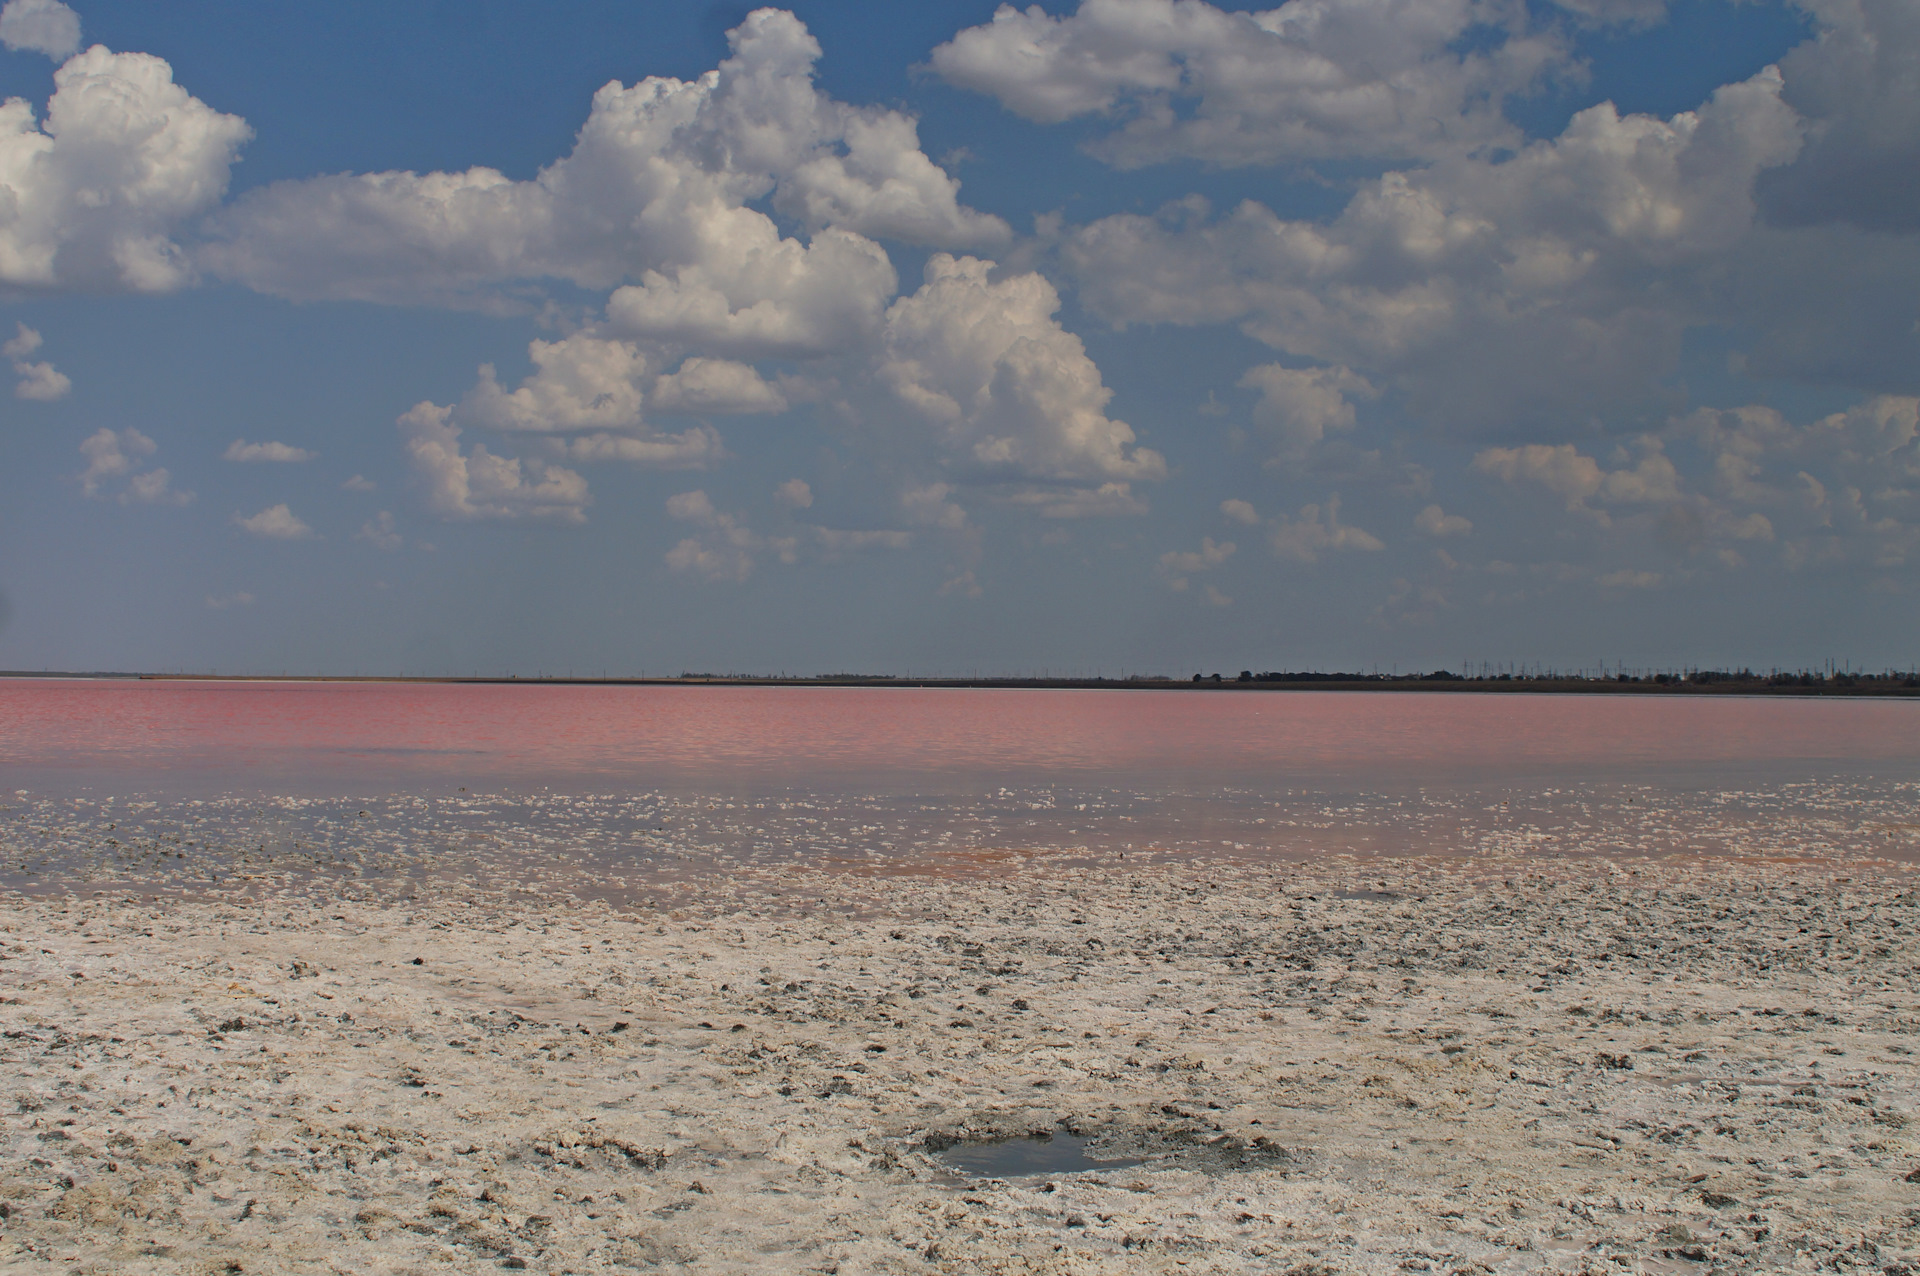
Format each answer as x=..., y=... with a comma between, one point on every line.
x=1496, y=1063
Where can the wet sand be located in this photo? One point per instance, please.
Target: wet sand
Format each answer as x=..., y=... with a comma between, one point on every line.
x=1460, y=1066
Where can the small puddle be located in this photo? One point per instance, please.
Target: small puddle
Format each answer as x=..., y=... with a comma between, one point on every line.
x=1056, y=1153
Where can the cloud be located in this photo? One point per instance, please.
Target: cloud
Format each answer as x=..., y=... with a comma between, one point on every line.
x=692, y=449
x=119, y=454
x=964, y=585
x=1304, y=405
x=480, y=485
x=38, y=381
x=126, y=157
x=692, y=507
x=581, y=383
x=755, y=295
x=248, y=453
x=655, y=193
x=1560, y=469
x=840, y=540
x=380, y=532
x=1623, y=13
x=229, y=602
x=1490, y=290
x=275, y=523
x=1576, y=478
x=1176, y=567
x=725, y=548
x=1841, y=490
x=110, y=455
x=586, y=390
x=1313, y=79
x=153, y=487
x=359, y=483
x=1844, y=488
x=1858, y=84
x=41, y=26
x=1240, y=512
x=794, y=493
x=1109, y=500
x=929, y=506
x=718, y=386
x=1437, y=523
x=1628, y=578
x=23, y=343
x=999, y=387
x=1318, y=530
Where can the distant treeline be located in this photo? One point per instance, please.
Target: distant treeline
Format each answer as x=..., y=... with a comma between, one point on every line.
x=1647, y=681
x=1840, y=682
x=1729, y=679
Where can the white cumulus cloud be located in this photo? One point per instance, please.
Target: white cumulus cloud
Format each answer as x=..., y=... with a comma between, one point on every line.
x=581, y=383
x=724, y=547
x=1304, y=405
x=1490, y=290
x=111, y=454
x=752, y=294
x=121, y=454
x=1843, y=488
x=1240, y=512
x=274, y=523
x=253, y=453
x=1577, y=478
x=1318, y=530
x=691, y=449
x=999, y=386
x=1311, y=79
x=380, y=532
x=124, y=158
x=1109, y=500
x=722, y=386
x=1178, y=566
x=655, y=193
x=589, y=390
x=41, y=26
x=1437, y=523
x=39, y=381
x=480, y=485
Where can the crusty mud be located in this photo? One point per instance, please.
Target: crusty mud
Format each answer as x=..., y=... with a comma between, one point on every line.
x=1319, y=1070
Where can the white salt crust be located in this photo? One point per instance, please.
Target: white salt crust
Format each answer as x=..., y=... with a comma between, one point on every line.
x=1415, y=1066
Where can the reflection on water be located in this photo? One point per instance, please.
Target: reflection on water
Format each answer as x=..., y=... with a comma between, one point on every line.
x=183, y=784
x=1055, y=1152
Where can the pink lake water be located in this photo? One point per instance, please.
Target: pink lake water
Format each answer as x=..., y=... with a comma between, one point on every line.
x=384, y=733
x=102, y=773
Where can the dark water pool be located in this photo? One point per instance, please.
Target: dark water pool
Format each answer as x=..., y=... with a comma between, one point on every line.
x=1055, y=1153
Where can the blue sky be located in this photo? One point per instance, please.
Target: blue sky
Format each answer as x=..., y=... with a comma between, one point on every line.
x=1120, y=336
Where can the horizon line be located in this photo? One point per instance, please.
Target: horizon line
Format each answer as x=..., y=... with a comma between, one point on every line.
x=1744, y=681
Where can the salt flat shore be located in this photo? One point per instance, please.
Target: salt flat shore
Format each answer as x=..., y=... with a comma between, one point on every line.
x=1408, y=1067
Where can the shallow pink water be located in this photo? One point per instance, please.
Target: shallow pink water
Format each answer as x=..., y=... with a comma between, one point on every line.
x=201, y=782
x=402, y=733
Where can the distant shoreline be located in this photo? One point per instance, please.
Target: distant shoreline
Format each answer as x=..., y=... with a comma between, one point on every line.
x=1709, y=683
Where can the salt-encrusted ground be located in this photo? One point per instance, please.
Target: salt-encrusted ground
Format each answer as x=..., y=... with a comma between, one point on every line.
x=1518, y=1068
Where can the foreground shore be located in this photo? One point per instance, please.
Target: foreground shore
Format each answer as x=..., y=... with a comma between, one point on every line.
x=1314, y=1070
